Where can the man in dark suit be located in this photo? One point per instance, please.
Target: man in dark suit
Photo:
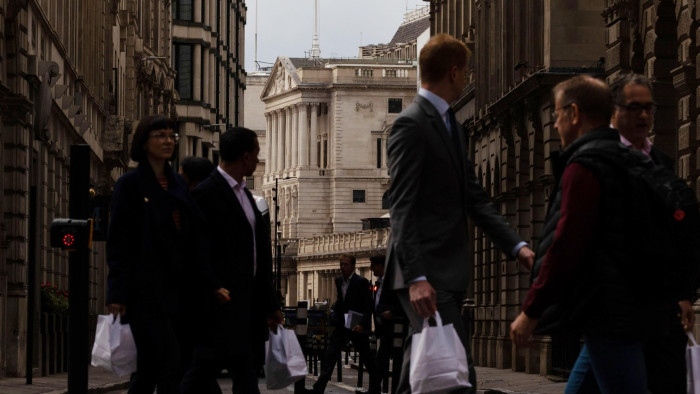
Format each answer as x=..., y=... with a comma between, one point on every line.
x=386, y=310
x=240, y=257
x=434, y=191
x=354, y=295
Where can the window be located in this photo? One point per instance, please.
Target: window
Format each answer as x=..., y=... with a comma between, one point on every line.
x=183, y=65
x=182, y=10
x=250, y=182
x=358, y=196
x=390, y=73
x=379, y=153
x=395, y=105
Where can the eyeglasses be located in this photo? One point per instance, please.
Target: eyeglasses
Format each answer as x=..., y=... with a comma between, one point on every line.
x=555, y=113
x=638, y=107
x=162, y=136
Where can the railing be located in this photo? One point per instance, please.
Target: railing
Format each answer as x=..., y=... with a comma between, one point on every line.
x=54, y=343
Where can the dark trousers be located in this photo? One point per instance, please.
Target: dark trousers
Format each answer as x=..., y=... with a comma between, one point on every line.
x=158, y=354
x=449, y=305
x=665, y=359
x=201, y=376
x=386, y=339
x=340, y=337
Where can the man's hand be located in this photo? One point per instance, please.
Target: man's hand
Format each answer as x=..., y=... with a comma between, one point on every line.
x=423, y=298
x=526, y=257
x=115, y=309
x=687, y=314
x=274, y=319
x=358, y=329
x=522, y=328
x=222, y=296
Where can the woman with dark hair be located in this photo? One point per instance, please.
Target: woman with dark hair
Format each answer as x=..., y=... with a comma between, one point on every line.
x=151, y=250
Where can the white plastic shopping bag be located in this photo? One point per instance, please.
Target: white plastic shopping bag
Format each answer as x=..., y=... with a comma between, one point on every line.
x=114, y=348
x=284, y=361
x=438, y=359
x=692, y=360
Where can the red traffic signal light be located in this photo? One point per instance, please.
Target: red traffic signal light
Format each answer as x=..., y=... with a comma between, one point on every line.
x=71, y=234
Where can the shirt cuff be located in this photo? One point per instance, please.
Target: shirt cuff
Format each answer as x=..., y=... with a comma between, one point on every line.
x=418, y=279
x=517, y=247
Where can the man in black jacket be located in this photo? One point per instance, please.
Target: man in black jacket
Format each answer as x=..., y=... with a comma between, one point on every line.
x=633, y=117
x=354, y=296
x=386, y=310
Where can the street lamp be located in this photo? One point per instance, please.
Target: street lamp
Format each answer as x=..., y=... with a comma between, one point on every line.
x=278, y=246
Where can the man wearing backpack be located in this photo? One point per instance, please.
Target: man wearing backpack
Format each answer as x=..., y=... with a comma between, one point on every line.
x=592, y=257
x=633, y=117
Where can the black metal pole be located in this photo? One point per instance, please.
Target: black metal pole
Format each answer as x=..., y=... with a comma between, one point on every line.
x=31, y=279
x=78, y=343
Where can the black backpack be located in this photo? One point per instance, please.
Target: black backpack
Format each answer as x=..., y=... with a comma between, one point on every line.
x=672, y=214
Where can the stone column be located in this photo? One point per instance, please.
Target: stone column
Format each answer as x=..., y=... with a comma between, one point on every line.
x=313, y=136
x=288, y=138
x=197, y=5
x=303, y=136
x=205, y=77
x=207, y=8
x=197, y=72
x=279, y=164
x=212, y=78
x=212, y=13
x=295, y=136
x=270, y=141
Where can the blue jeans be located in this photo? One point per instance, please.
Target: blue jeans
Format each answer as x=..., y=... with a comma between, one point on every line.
x=609, y=365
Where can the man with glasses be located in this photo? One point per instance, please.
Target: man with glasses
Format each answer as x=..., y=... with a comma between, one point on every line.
x=589, y=259
x=633, y=118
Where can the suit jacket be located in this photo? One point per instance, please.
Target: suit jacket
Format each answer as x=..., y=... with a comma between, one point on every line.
x=238, y=326
x=388, y=301
x=149, y=259
x=433, y=192
x=358, y=298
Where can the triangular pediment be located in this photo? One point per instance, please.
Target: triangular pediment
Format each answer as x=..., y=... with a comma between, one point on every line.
x=283, y=78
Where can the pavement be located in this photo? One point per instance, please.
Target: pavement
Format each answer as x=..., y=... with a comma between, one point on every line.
x=489, y=381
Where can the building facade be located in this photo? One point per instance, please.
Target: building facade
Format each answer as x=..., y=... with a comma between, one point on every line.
x=327, y=126
x=207, y=55
x=521, y=49
x=85, y=72
x=256, y=120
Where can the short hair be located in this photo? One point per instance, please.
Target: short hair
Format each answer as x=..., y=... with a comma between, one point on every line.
x=143, y=131
x=197, y=169
x=618, y=85
x=349, y=256
x=439, y=55
x=591, y=95
x=379, y=259
x=235, y=142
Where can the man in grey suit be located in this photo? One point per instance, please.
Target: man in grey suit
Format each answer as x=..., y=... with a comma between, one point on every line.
x=434, y=190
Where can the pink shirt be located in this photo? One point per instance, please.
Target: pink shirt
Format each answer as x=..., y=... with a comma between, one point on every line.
x=239, y=191
x=646, y=149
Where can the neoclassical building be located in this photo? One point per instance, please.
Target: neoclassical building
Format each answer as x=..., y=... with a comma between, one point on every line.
x=207, y=52
x=521, y=49
x=325, y=170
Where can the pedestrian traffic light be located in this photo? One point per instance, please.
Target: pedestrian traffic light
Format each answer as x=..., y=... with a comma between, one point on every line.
x=71, y=234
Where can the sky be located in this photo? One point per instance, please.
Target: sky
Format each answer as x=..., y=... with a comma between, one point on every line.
x=286, y=27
